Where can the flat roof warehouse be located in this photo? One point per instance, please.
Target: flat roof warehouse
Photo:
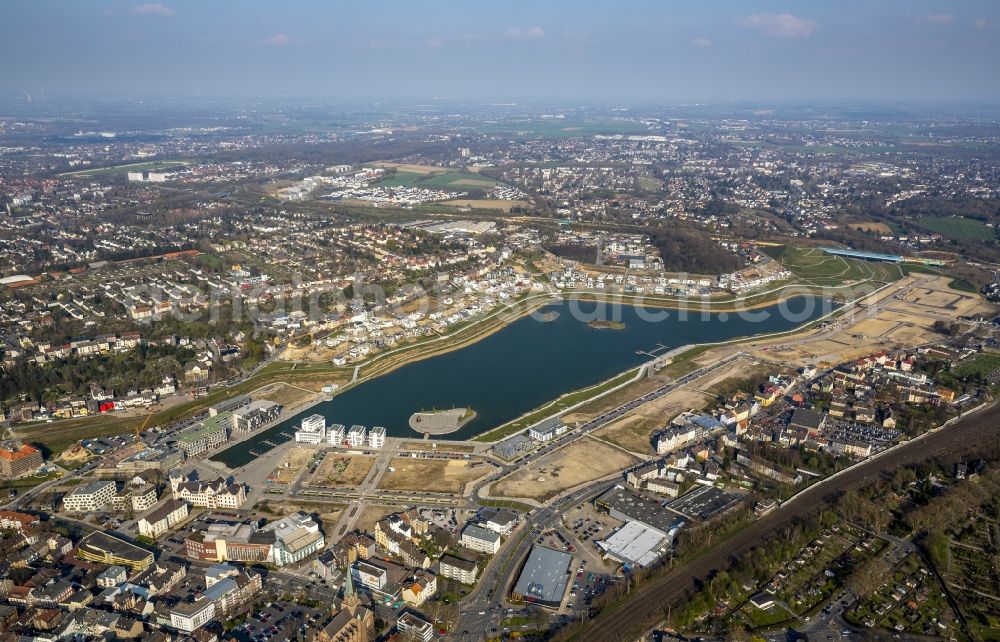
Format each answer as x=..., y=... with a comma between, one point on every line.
x=544, y=578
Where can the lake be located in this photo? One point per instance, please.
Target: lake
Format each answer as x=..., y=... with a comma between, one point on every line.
x=528, y=363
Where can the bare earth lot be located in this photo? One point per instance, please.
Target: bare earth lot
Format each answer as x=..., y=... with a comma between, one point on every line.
x=339, y=469
x=905, y=317
x=582, y=461
x=292, y=464
x=486, y=203
x=285, y=394
x=634, y=431
x=431, y=475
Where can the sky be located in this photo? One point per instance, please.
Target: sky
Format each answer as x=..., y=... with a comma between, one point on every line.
x=628, y=51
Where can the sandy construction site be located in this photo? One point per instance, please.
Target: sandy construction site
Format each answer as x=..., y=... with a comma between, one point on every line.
x=338, y=469
x=432, y=475
x=901, y=316
x=577, y=463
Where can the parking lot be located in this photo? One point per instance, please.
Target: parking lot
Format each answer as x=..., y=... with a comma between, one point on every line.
x=279, y=622
x=587, y=525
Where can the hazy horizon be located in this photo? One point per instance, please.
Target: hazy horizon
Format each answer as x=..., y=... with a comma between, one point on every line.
x=643, y=53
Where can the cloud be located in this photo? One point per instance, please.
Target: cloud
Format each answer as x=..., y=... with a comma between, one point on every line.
x=980, y=24
x=435, y=42
x=936, y=18
x=531, y=33
x=782, y=25
x=701, y=42
x=151, y=9
x=277, y=40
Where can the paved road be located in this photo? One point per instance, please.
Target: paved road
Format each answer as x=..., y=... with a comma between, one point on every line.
x=482, y=610
x=644, y=609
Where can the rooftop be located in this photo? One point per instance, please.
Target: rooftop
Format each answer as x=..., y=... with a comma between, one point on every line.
x=544, y=576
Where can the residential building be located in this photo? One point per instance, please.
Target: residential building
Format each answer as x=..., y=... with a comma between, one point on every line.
x=163, y=518
x=18, y=458
x=419, y=588
x=335, y=434
x=12, y=520
x=480, y=539
x=356, y=436
x=376, y=437
x=205, y=436
x=459, y=569
x=312, y=430
x=414, y=627
x=88, y=498
x=112, y=576
x=255, y=414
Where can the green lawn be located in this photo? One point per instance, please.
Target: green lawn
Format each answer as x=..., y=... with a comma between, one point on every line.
x=959, y=228
x=981, y=364
x=448, y=179
x=131, y=167
x=815, y=266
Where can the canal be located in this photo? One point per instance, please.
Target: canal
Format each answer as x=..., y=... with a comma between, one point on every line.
x=529, y=363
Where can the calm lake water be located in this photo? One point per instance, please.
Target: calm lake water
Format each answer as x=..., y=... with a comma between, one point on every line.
x=527, y=364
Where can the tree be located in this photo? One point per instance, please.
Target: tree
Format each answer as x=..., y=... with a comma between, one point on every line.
x=868, y=577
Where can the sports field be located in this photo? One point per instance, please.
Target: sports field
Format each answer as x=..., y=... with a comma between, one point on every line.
x=956, y=227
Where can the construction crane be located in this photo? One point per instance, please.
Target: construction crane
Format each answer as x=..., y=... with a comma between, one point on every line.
x=140, y=428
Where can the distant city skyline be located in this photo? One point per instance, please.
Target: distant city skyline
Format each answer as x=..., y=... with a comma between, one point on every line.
x=645, y=51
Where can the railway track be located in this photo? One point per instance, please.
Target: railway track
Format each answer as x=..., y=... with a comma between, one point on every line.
x=646, y=607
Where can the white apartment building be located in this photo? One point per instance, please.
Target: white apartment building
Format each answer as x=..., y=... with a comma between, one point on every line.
x=187, y=617
x=356, y=436
x=312, y=430
x=162, y=519
x=335, y=434
x=459, y=569
x=415, y=627
x=376, y=437
x=89, y=497
x=480, y=539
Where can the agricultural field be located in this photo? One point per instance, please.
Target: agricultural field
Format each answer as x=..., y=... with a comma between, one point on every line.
x=956, y=227
x=432, y=475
